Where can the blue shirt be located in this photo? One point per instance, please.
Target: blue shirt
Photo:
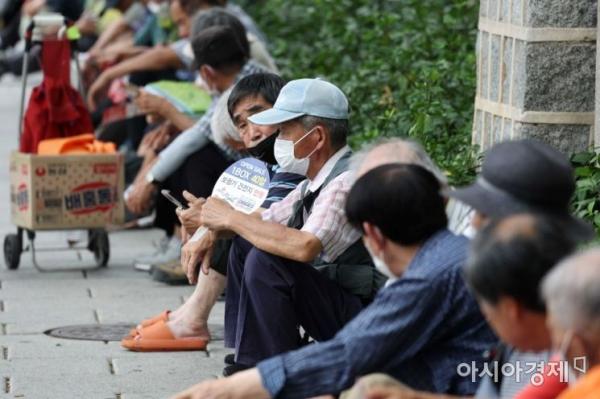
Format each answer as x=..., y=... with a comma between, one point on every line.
x=418, y=329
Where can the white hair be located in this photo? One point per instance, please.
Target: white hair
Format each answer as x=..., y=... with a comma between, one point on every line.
x=221, y=125
x=398, y=150
x=572, y=292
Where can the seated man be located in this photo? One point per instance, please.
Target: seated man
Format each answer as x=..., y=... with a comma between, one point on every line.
x=398, y=150
x=272, y=258
x=159, y=106
x=508, y=260
x=419, y=327
x=250, y=95
x=161, y=58
x=572, y=295
x=521, y=176
x=194, y=161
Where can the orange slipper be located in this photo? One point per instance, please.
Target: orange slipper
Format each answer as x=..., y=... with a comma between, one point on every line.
x=164, y=316
x=158, y=337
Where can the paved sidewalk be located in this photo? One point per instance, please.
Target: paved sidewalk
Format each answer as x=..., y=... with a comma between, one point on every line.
x=34, y=365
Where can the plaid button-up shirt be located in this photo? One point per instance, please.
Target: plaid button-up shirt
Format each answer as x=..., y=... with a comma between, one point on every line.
x=327, y=220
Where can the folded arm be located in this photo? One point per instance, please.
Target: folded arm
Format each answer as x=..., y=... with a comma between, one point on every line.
x=275, y=238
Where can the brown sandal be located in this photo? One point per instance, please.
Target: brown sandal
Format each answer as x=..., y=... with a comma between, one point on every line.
x=163, y=316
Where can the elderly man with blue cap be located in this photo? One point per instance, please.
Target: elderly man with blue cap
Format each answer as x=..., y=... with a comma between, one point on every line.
x=418, y=327
x=300, y=263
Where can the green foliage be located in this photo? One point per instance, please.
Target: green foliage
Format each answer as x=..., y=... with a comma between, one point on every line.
x=586, y=203
x=407, y=66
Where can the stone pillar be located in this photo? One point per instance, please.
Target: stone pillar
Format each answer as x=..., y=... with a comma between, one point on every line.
x=536, y=72
x=597, y=109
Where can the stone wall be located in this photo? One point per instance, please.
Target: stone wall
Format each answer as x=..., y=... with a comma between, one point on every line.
x=536, y=72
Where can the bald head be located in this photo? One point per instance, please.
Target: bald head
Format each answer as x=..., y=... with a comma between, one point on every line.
x=393, y=150
x=572, y=293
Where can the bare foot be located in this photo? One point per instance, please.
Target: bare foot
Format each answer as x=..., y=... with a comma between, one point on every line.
x=174, y=314
x=184, y=326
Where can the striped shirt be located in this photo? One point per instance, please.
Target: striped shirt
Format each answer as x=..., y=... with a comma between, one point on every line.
x=418, y=329
x=327, y=220
x=281, y=184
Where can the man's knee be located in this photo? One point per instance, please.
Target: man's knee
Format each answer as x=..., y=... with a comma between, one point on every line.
x=259, y=266
x=239, y=250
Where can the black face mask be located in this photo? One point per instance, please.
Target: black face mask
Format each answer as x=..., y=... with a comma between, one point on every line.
x=264, y=151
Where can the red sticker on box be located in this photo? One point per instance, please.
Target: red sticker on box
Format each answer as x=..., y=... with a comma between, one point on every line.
x=90, y=197
x=105, y=168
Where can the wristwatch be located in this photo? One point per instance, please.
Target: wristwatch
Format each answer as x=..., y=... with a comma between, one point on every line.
x=150, y=179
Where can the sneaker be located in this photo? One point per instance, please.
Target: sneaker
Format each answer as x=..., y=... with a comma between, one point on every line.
x=170, y=273
x=229, y=359
x=168, y=250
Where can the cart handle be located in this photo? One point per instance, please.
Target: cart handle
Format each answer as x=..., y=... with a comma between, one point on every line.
x=45, y=20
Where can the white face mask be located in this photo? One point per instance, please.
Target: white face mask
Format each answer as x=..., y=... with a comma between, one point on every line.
x=203, y=84
x=284, y=154
x=381, y=266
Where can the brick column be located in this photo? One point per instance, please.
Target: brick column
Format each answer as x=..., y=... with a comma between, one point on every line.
x=596, y=137
x=536, y=72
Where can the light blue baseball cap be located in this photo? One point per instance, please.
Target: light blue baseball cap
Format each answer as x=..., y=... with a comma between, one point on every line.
x=301, y=97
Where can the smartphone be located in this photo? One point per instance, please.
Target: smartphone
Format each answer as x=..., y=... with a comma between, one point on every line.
x=167, y=195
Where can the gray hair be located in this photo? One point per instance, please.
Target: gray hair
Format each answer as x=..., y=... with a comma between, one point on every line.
x=399, y=150
x=221, y=125
x=338, y=129
x=572, y=292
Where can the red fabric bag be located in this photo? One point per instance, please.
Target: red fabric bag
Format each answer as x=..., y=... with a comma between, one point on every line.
x=55, y=108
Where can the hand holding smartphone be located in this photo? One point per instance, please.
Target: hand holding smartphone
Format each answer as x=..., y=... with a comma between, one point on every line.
x=174, y=201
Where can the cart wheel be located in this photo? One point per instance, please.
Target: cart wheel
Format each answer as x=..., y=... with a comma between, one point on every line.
x=12, y=251
x=100, y=246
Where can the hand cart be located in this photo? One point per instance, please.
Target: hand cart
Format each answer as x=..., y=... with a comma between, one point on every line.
x=50, y=27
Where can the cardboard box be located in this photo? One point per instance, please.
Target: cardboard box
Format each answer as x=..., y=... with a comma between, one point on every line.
x=66, y=192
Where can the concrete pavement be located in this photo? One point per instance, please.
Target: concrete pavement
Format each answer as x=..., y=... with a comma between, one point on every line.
x=36, y=366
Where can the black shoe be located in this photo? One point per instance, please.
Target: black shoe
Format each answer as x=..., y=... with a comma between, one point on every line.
x=234, y=368
x=229, y=359
x=3, y=67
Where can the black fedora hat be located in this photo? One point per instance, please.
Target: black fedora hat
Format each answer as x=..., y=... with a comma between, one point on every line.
x=524, y=176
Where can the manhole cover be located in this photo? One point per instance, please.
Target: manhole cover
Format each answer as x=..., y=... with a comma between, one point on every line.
x=110, y=332
x=92, y=332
